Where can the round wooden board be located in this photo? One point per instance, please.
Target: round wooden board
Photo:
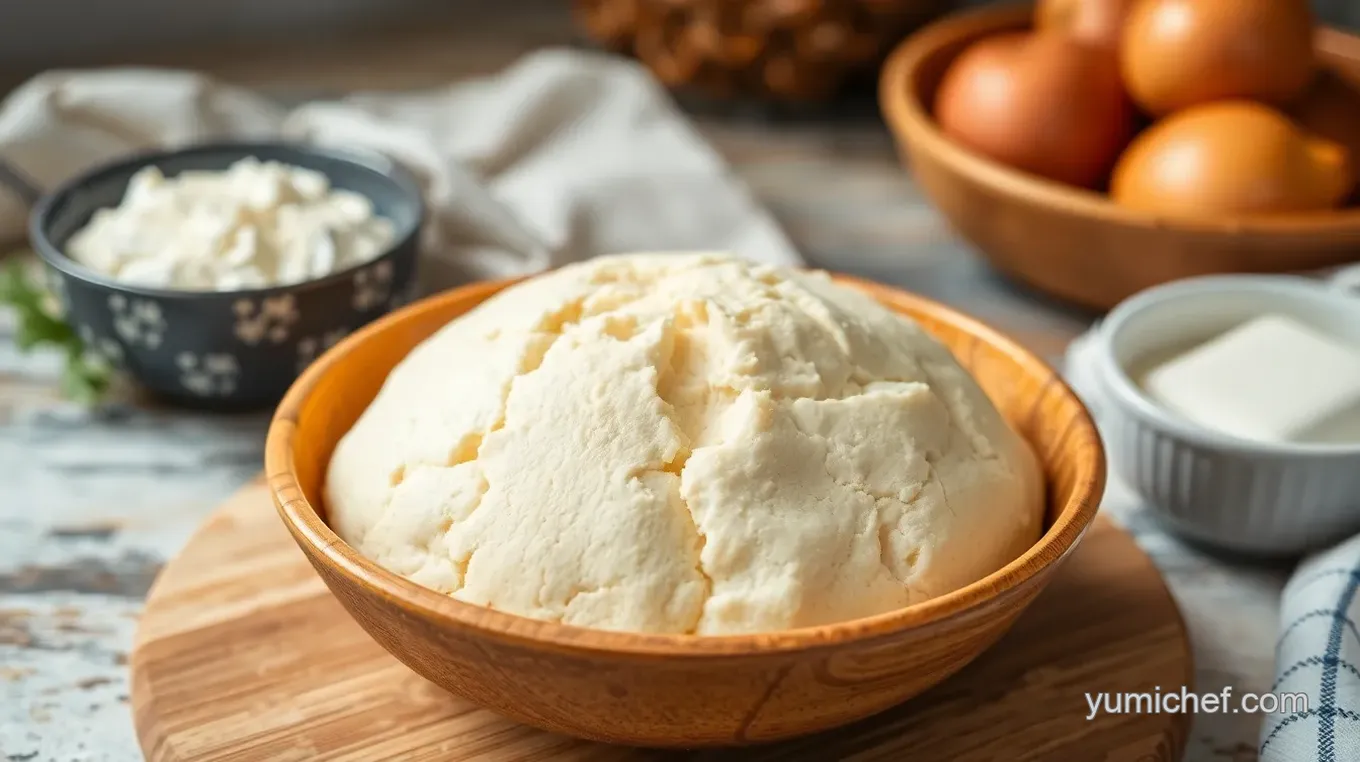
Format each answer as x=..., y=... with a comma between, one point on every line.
x=242, y=654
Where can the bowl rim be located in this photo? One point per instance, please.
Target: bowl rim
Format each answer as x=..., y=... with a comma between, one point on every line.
x=326, y=548
x=378, y=163
x=1132, y=400
x=908, y=117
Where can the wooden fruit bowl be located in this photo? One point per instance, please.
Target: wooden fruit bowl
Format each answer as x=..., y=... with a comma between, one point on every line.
x=1073, y=243
x=667, y=690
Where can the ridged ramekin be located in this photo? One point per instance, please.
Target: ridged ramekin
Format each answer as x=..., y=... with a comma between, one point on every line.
x=1232, y=493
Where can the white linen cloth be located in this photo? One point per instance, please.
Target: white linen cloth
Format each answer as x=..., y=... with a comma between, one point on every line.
x=1318, y=647
x=564, y=156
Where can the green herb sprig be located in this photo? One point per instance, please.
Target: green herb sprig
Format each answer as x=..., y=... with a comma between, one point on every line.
x=86, y=376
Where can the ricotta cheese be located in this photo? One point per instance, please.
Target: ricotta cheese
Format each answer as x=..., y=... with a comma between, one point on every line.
x=684, y=444
x=254, y=225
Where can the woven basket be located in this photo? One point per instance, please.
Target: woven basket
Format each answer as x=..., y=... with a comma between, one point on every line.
x=783, y=50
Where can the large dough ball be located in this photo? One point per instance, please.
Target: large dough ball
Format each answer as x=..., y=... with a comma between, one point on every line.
x=684, y=444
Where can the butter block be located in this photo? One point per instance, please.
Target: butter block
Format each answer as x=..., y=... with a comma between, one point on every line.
x=1271, y=379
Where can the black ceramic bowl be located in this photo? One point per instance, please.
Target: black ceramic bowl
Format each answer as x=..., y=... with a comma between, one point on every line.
x=227, y=349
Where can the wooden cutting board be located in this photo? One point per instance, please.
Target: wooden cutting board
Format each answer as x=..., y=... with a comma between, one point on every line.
x=242, y=654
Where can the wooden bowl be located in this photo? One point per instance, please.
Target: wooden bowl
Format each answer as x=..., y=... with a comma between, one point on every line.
x=1073, y=243
x=679, y=690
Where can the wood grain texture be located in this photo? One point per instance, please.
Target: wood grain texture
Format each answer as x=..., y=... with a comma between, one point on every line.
x=673, y=690
x=1073, y=243
x=242, y=654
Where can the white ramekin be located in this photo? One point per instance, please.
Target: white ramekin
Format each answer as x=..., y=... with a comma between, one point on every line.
x=1232, y=493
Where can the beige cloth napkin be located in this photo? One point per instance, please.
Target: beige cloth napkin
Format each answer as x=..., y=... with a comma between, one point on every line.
x=564, y=156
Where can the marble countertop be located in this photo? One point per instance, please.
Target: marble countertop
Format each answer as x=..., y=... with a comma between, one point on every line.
x=92, y=506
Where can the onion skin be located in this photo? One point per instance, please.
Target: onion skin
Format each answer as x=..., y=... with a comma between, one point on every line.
x=1331, y=109
x=1094, y=22
x=1175, y=54
x=1228, y=159
x=1039, y=102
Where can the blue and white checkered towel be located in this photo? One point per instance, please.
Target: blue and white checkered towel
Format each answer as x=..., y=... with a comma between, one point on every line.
x=1318, y=653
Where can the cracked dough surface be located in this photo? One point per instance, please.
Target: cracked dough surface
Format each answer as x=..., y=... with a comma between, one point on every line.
x=686, y=444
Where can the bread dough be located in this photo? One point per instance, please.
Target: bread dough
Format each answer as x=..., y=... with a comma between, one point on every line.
x=684, y=444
